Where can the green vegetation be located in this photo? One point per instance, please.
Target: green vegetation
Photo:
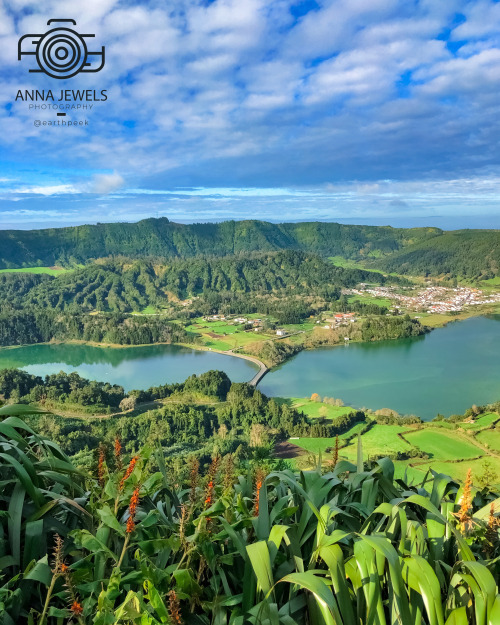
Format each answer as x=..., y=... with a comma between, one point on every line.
x=42, y=326
x=51, y=271
x=162, y=238
x=322, y=409
x=490, y=438
x=481, y=422
x=369, y=299
x=152, y=540
x=464, y=254
x=380, y=440
x=382, y=328
x=127, y=285
x=472, y=255
x=449, y=445
x=441, y=445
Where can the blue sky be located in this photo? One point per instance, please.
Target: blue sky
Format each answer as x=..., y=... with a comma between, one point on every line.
x=370, y=111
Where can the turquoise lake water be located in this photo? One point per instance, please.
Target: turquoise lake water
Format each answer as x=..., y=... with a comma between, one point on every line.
x=445, y=371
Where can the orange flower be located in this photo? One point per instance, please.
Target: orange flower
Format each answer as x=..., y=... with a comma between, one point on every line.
x=260, y=476
x=132, y=509
x=128, y=472
x=212, y=474
x=130, y=525
x=174, y=608
x=209, y=495
x=76, y=607
x=463, y=515
x=100, y=464
x=134, y=500
x=118, y=453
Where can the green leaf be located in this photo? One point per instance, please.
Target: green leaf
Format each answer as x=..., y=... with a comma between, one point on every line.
x=261, y=564
x=322, y=594
x=108, y=518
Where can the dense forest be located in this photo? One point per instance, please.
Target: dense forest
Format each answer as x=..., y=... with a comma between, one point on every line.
x=469, y=254
x=163, y=238
x=125, y=285
x=385, y=328
x=41, y=326
x=204, y=409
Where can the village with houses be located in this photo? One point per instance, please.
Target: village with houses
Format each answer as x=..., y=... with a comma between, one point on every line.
x=233, y=332
x=430, y=299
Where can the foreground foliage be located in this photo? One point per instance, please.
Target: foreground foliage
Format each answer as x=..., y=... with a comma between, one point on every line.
x=139, y=542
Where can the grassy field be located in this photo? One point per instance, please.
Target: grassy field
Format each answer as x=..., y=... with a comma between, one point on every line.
x=312, y=408
x=52, y=271
x=490, y=438
x=442, y=445
x=491, y=282
x=450, y=452
x=379, y=440
x=314, y=445
x=458, y=470
x=224, y=335
x=370, y=299
x=484, y=421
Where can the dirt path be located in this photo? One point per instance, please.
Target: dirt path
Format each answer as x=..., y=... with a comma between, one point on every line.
x=288, y=450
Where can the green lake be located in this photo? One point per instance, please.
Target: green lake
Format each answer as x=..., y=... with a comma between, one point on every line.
x=131, y=367
x=445, y=371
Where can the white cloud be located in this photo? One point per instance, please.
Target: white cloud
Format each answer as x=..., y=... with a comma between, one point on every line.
x=106, y=183
x=232, y=93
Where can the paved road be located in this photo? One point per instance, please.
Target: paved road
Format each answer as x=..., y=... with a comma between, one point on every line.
x=262, y=367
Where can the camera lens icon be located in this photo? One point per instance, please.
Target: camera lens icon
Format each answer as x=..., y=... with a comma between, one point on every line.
x=61, y=52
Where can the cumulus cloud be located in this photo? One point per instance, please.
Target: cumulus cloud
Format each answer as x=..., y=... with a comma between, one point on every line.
x=327, y=97
x=106, y=183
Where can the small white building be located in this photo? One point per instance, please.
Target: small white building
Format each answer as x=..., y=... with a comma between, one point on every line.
x=281, y=332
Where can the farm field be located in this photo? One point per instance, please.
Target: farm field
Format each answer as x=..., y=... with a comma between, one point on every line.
x=370, y=299
x=442, y=445
x=224, y=335
x=449, y=450
x=52, y=271
x=484, y=421
x=458, y=470
x=312, y=408
x=490, y=438
x=379, y=440
x=314, y=445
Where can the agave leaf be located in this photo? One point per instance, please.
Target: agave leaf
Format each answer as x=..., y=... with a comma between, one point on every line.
x=420, y=577
x=261, y=563
x=458, y=617
x=323, y=595
x=14, y=410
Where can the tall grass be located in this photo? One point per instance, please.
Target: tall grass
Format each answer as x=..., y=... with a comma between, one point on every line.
x=235, y=546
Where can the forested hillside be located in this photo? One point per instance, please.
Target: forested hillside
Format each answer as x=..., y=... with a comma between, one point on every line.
x=160, y=237
x=470, y=254
x=125, y=285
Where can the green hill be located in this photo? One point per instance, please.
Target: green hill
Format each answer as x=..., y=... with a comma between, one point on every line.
x=163, y=238
x=470, y=254
x=125, y=285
